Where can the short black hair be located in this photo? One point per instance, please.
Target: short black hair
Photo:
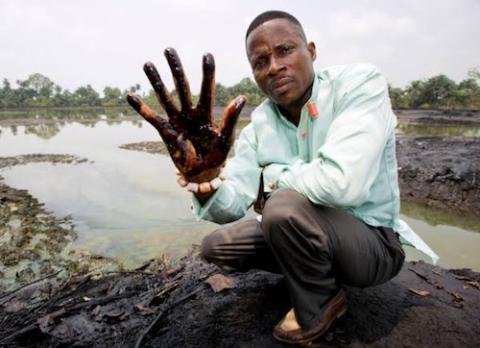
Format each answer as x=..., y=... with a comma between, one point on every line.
x=268, y=16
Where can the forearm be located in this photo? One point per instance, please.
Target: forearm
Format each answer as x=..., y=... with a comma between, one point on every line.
x=227, y=204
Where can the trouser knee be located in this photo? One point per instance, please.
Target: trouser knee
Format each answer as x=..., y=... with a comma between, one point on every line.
x=281, y=212
x=289, y=218
x=208, y=245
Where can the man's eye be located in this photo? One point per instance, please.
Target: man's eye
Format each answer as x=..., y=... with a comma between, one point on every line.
x=260, y=63
x=285, y=50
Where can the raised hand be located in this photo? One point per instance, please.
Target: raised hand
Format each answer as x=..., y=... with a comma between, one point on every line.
x=197, y=147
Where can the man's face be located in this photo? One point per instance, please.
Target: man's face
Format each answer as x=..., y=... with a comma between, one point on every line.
x=281, y=61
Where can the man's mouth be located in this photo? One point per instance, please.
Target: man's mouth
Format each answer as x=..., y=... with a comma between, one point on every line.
x=281, y=85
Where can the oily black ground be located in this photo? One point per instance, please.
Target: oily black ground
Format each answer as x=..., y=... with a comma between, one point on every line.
x=423, y=306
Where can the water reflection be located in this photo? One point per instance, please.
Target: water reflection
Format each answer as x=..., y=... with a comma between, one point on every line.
x=436, y=130
x=48, y=130
x=44, y=131
x=457, y=247
x=76, y=114
x=454, y=237
x=435, y=216
x=125, y=204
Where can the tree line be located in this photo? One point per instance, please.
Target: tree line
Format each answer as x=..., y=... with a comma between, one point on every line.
x=40, y=91
x=438, y=92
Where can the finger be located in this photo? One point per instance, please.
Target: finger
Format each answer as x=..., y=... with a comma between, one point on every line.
x=182, y=181
x=181, y=82
x=167, y=132
x=230, y=117
x=141, y=107
x=207, y=92
x=161, y=91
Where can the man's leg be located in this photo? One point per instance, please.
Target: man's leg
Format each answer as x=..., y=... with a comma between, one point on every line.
x=239, y=246
x=319, y=248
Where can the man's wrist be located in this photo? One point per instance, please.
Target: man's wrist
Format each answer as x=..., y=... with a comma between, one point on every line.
x=201, y=188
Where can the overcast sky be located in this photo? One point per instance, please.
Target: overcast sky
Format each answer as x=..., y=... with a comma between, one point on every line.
x=106, y=42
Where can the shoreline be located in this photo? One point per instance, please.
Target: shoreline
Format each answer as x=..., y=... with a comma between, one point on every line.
x=404, y=116
x=34, y=241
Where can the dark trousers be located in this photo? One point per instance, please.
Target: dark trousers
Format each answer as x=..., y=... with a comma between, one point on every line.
x=316, y=248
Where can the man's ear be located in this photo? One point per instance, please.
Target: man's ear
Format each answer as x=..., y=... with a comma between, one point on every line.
x=312, y=50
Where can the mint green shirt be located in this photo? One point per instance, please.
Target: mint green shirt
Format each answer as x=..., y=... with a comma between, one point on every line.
x=344, y=157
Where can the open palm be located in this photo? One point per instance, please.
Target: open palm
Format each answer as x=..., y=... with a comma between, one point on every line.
x=196, y=145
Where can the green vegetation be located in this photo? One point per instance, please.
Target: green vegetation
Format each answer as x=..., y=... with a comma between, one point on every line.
x=438, y=92
x=39, y=91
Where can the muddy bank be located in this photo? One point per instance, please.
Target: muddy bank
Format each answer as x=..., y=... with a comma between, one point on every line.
x=33, y=242
x=438, y=117
x=153, y=147
x=440, y=172
x=161, y=305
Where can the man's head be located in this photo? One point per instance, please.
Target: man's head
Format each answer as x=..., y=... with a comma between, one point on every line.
x=280, y=57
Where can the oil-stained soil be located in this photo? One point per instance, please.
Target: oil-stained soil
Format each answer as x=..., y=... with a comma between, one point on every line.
x=438, y=117
x=163, y=305
x=440, y=172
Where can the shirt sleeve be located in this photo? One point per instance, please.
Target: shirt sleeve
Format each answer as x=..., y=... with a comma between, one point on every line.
x=240, y=188
x=345, y=167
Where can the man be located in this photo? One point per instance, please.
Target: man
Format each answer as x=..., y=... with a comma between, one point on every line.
x=322, y=146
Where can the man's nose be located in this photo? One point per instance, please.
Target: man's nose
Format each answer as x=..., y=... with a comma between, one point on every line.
x=275, y=65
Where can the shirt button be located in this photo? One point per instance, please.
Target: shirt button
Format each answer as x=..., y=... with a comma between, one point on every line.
x=303, y=135
x=272, y=186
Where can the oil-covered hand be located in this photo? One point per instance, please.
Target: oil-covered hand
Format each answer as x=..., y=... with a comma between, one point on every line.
x=197, y=147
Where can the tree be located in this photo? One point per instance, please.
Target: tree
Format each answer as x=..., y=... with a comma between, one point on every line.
x=86, y=96
x=222, y=95
x=439, y=91
x=415, y=94
x=467, y=93
x=474, y=73
x=398, y=97
x=249, y=89
x=38, y=89
x=6, y=95
x=112, y=96
x=42, y=85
